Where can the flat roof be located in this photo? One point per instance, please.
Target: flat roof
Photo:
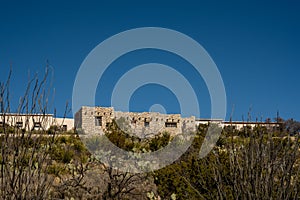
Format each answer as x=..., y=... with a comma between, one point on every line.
x=24, y=114
x=204, y=119
x=240, y=122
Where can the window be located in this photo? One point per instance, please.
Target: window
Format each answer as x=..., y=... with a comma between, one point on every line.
x=37, y=125
x=146, y=124
x=19, y=124
x=64, y=127
x=231, y=127
x=98, y=121
x=171, y=124
x=133, y=121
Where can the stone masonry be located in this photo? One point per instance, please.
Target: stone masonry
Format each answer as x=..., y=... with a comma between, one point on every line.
x=94, y=120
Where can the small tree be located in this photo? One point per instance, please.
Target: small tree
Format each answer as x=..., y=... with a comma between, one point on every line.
x=24, y=157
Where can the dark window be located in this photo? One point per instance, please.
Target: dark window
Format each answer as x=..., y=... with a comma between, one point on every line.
x=171, y=124
x=37, y=125
x=64, y=127
x=98, y=121
x=231, y=127
x=146, y=124
x=19, y=124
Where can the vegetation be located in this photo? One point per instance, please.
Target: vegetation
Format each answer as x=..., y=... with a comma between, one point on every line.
x=258, y=163
x=258, y=166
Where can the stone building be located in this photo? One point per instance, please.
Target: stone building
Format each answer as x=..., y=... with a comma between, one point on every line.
x=94, y=120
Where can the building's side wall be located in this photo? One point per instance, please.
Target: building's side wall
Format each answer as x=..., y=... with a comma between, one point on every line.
x=78, y=120
x=88, y=120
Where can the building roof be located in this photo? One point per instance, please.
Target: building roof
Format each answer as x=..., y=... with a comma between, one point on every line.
x=24, y=114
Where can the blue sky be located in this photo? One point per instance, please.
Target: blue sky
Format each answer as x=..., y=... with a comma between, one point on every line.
x=255, y=45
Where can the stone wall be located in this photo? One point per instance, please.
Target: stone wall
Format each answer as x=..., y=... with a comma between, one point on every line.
x=93, y=120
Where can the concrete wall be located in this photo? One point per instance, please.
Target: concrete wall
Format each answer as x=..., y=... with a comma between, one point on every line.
x=35, y=121
x=66, y=123
x=206, y=121
x=238, y=125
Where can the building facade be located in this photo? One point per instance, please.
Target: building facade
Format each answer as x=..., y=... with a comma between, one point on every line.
x=35, y=121
x=238, y=125
x=95, y=120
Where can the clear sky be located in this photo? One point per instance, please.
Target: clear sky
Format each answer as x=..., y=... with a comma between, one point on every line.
x=255, y=45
